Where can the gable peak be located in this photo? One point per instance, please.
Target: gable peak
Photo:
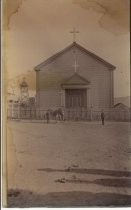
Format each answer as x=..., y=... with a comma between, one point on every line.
x=75, y=44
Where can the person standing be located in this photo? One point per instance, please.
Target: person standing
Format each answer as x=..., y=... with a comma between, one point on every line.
x=48, y=116
x=102, y=117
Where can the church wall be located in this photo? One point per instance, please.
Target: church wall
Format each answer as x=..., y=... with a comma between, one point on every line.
x=53, y=74
x=49, y=99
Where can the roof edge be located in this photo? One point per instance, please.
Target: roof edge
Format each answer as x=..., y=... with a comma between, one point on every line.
x=36, y=68
x=111, y=67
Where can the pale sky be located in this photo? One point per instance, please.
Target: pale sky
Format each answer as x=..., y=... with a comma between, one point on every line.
x=40, y=28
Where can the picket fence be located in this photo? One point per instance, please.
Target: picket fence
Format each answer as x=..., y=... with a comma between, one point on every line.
x=71, y=115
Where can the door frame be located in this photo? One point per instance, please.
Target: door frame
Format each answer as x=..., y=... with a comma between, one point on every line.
x=84, y=98
x=88, y=92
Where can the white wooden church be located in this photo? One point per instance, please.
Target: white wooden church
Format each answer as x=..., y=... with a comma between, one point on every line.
x=75, y=80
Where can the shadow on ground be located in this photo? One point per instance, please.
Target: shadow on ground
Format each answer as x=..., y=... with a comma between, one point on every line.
x=22, y=198
x=90, y=171
x=104, y=182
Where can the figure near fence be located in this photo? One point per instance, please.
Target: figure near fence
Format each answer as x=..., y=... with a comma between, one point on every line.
x=57, y=114
x=48, y=116
x=102, y=117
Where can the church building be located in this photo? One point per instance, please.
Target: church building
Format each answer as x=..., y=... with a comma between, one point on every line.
x=75, y=80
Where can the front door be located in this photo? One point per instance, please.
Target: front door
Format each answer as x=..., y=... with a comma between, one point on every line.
x=76, y=104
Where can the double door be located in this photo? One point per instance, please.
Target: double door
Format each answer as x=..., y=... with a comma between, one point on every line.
x=76, y=104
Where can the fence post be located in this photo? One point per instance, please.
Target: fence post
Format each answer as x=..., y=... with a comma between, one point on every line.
x=30, y=113
x=18, y=110
x=12, y=110
x=91, y=113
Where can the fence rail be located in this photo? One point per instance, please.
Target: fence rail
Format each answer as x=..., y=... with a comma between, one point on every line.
x=73, y=115
x=112, y=115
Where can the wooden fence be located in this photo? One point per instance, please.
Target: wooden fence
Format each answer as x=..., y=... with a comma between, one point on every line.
x=112, y=115
x=71, y=115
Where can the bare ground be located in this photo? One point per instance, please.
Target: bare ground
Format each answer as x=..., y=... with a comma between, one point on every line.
x=68, y=164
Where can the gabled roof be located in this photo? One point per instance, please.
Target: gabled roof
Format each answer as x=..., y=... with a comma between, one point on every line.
x=76, y=79
x=121, y=105
x=110, y=66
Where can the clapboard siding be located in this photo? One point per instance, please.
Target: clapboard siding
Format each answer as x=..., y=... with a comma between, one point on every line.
x=49, y=99
x=53, y=74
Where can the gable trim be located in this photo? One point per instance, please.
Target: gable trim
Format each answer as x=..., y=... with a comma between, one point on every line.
x=75, y=86
x=110, y=66
x=83, y=81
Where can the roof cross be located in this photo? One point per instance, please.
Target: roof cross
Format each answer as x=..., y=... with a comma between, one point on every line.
x=75, y=66
x=74, y=32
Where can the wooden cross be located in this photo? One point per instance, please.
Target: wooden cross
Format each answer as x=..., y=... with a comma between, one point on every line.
x=75, y=66
x=74, y=32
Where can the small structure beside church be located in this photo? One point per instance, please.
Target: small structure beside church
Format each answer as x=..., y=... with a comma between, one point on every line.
x=24, y=92
x=121, y=106
x=24, y=107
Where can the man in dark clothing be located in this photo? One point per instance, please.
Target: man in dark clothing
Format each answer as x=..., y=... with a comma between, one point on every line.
x=48, y=116
x=102, y=117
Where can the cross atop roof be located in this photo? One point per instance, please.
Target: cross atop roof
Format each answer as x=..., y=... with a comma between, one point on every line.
x=74, y=32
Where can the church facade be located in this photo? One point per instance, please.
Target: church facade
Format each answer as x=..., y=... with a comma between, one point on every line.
x=75, y=80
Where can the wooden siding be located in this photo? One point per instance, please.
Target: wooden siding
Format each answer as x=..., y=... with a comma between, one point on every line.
x=52, y=75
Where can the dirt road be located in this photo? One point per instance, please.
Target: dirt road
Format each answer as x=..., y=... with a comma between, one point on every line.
x=69, y=164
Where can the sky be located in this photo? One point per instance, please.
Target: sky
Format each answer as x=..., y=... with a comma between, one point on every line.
x=37, y=29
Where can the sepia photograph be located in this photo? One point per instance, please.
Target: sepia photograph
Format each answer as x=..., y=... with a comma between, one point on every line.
x=66, y=103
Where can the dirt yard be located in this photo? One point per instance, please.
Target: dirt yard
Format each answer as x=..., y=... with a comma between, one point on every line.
x=68, y=164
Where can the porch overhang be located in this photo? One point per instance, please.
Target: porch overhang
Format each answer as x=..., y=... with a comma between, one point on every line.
x=75, y=86
x=75, y=82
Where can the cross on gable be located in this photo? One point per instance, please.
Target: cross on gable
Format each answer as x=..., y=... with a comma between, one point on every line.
x=74, y=32
x=75, y=66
